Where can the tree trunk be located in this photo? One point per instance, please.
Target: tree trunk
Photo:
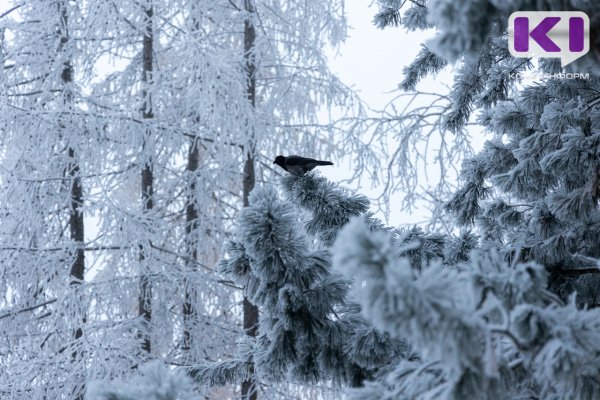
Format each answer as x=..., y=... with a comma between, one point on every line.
x=189, y=309
x=191, y=225
x=76, y=222
x=147, y=177
x=249, y=386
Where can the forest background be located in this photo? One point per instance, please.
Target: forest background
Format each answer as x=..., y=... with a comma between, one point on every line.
x=142, y=217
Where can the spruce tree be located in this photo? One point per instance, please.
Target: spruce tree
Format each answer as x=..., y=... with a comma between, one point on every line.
x=532, y=191
x=486, y=328
x=525, y=298
x=492, y=313
x=310, y=331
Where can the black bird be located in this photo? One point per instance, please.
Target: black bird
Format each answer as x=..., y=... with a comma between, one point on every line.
x=298, y=165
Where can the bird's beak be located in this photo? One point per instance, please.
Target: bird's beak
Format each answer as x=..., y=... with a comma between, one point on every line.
x=274, y=162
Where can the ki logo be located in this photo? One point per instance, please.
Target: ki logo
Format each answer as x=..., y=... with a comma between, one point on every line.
x=559, y=34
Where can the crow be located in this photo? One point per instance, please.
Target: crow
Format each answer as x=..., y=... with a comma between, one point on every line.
x=298, y=165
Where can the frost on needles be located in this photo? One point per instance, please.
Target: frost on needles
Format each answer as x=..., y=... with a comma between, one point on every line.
x=309, y=330
x=483, y=329
x=154, y=382
x=531, y=194
x=393, y=314
x=402, y=313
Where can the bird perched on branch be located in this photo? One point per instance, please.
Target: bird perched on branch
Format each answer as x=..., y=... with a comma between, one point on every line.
x=298, y=165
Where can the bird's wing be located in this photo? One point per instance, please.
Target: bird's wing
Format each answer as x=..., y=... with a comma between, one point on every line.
x=297, y=160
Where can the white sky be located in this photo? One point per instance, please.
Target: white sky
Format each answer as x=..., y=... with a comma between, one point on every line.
x=371, y=61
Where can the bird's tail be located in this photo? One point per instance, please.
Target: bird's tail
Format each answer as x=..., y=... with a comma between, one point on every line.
x=324, y=163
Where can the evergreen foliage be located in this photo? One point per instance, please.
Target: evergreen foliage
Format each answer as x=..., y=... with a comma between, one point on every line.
x=483, y=329
x=505, y=309
x=154, y=382
x=526, y=298
x=309, y=329
x=330, y=206
x=426, y=316
x=532, y=191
